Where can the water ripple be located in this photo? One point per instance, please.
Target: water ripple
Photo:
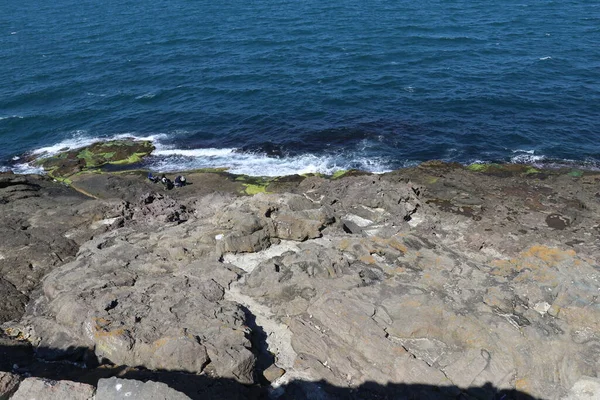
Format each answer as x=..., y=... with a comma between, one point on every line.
x=397, y=82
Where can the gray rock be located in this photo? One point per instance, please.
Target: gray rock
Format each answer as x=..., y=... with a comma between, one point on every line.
x=237, y=363
x=125, y=309
x=447, y=278
x=13, y=301
x=273, y=372
x=115, y=388
x=290, y=226
x=238, y=243
x=39, y=388
x=44, y=222
x=154, y=208
x=351, y=227
x=179, y=354
x=586, y=388
x=8, y=384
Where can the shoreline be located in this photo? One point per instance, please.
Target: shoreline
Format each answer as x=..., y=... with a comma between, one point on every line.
x=88, y=182
x=165, y=158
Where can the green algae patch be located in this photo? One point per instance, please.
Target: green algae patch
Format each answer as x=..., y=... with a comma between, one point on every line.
x=253, y=184
x=576, y=173
x=313, y=174
x=439, y=164
x=339, y=174
x=504, y=170
x=132, y=159
x=531, y=170
x=476, y=167
x=117, y=152
x=66, y=181
x=346, y=173
x=254, y=189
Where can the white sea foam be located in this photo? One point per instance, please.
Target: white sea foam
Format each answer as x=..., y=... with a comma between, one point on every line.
x=166, y=158
x=155, y=138
x=82, y=139
x=11, y=116
x=25, y=168
x=145, y=96
x=527, y=158
x=523, y=151
x=194, y=152
x=545, y=58
x=477, y=161
x=256, y=164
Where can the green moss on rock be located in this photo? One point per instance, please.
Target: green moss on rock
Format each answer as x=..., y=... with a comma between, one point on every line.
x=252, y=184
x=68, y=163
x=438, y=164
x=310, y=174
x=252, y=189
x=476, y=167
x=346, y=173
x=503, y=169
x=339, y=174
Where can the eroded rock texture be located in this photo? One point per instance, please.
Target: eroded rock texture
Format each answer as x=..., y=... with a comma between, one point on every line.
x=456, y=281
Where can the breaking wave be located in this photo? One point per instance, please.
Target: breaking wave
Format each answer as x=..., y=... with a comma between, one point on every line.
x=81, y=139
x=167, y=157
x=259, y=164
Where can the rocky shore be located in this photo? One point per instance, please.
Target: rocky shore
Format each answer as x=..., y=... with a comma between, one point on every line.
x=438, y=281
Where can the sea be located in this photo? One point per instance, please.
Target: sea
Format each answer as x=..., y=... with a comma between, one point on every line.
x=277, y=87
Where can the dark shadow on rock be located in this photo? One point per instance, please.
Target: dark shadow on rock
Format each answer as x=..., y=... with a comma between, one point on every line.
x=264, y=359
x=19, y=357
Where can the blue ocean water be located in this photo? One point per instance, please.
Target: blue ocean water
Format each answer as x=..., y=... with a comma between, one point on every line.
x=270, y=87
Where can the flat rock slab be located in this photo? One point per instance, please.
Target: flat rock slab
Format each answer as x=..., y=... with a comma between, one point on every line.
x=39, y=388
x=115, y=388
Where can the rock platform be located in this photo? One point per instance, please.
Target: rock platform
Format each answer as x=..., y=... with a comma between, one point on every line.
x=437, y=281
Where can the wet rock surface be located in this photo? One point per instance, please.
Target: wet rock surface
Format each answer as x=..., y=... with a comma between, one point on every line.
x=64, y=165
x=435, y=281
